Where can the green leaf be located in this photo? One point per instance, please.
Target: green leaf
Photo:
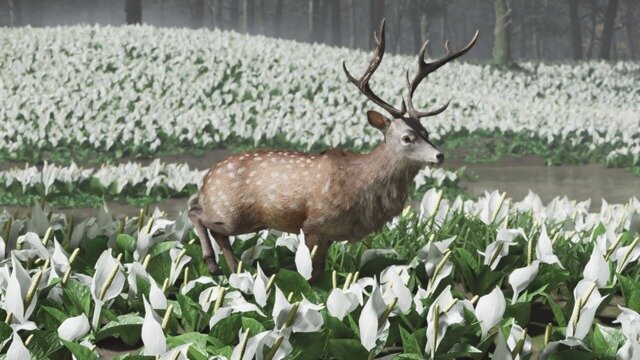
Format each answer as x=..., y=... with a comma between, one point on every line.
x=375, y=266
x=197, y=340
x=408, y=357
x=52, y=317
x=93, y=248
x=253, y=324
x=308, y=345
x=291, y=281
x=126, y=243
x=127, y=328
x=605, y=341
x=347, y=349
x=161, y=247
x=409, y=342
x=77, y=296
x=79, y=351
x=5, y=330
x=227, y=329
x=44, y=344
x=337, y=329
x=487, y=280
x=558, y=314
x=520, y=311
x=630, y=291
x=460, y=351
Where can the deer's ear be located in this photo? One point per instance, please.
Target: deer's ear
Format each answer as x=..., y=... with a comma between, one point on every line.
x=377, y=120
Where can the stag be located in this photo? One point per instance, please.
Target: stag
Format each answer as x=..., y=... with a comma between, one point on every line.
x=334, y=195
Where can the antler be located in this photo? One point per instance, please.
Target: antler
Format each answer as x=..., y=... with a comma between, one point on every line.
x=425, y=69
x=363, y=83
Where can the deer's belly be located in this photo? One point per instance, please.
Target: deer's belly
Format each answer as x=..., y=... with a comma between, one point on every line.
x=348, y=224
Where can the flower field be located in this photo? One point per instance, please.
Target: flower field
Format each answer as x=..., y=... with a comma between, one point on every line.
x=83, y=91
x=454, y=277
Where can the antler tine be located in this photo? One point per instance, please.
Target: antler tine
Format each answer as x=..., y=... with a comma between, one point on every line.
x=363, y=82
x=425, y=68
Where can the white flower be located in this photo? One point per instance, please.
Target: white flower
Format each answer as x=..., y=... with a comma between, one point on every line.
x=108, y=279
x=490, y=309
x=74, y=328
x=520, y=278
x=153, y=337
x=450, y=312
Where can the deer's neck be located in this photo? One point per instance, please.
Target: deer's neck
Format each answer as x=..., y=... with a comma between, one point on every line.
x=384, y=176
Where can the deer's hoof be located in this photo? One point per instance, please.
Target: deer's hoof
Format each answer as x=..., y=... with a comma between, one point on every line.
x=212, y=266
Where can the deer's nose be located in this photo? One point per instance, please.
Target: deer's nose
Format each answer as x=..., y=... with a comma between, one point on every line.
x=440, y=158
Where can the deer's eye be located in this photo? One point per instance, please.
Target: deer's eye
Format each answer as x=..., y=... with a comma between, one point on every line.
x=407, y=139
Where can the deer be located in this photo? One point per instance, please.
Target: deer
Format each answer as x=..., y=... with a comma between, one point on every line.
x=334, y=195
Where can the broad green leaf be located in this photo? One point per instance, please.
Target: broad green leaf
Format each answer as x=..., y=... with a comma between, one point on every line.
x=605, y=341
x=291, y=281
x=409, y=342
x=630, y=291
x=127, y=328
x=79, y=351
x=126, y=243
x=78, y=296
x=347, y=349
x=227, y=329
x=253, y=324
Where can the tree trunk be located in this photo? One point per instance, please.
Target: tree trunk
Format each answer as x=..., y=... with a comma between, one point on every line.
x=397, y=28
x=502, y=33
x=249, y=16
x=414, y=19
x=277, y=18
x=261, y=17
x=322, y=20
x=234, y=14
x=608, y=29
x=314, y=21
x=376, y=13
x=576, y=29
x=336, y=23
x=631, y=32
x=133, y=11
x=15, y=12
x=352, y=24
x=197, y=14
x=424, y=28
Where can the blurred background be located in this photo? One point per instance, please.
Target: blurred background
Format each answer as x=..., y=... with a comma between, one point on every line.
x=545, y=30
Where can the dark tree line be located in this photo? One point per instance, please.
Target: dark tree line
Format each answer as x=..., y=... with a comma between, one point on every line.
x=511, y=30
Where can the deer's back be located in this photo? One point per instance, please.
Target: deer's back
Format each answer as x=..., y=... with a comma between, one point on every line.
x=261, y=189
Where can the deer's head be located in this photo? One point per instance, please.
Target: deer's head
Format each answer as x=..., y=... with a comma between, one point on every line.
x=403, y=132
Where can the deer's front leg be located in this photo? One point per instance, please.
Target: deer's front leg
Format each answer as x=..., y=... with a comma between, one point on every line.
x=319, y=259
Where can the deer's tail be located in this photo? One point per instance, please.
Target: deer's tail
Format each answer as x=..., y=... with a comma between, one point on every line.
x=194, y=202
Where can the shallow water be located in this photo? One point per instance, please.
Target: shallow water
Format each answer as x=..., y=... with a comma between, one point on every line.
x=517, y=176
x=514, y=175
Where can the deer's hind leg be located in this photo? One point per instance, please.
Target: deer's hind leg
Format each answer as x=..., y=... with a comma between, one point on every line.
x=208, y=253
x=227, y=250
x=319, y=260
